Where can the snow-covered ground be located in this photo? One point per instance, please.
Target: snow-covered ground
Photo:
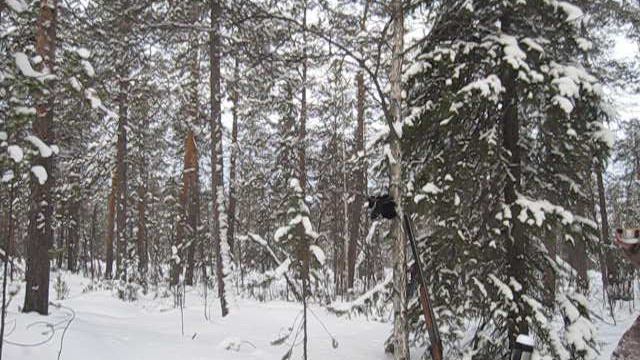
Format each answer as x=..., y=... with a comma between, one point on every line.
x=105, y=327
x=108, y=328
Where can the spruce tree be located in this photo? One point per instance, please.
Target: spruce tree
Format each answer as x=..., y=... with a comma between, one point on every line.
x=504, y=123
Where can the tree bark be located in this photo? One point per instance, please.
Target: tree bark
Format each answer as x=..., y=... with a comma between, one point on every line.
x=233, y=168
x=191, y=194
x=121, y=174
x=73, y=236
x=141, y=235
x=609, y=273
x=111, y=214
x=515, y=241
x=360, y=185
x=92, y=248
x=41, y=208
x=217, y=186
x=189, y=204
x=400, y=334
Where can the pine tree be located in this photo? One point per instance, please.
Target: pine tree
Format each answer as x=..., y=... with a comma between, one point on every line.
x=41, y=212
x=505, y=123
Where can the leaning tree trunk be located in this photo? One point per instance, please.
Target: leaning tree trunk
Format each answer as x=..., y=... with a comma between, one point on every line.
x=608, y=259
x=41, y=208
x=217, y=186
x=400, y=335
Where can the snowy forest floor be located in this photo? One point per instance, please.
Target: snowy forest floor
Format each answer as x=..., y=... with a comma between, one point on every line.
x=105, y=327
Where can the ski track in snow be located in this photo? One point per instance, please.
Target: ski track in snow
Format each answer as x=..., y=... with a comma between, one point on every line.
x=106, y=328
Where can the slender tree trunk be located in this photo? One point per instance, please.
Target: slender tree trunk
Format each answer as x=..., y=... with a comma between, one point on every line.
x=400, y=335
x=73, y=236
x=360, y=185
x=7, y=258
x=302, y=177
x=232, y=166
x=189, y=204
x=41, y=211
x=141, y=235
x=142, y=228
x=109, y=234
x=609, y=273
x=217, y=186
x=121, y=174
x=549, y=276
x=191, y=169
x=92, y=248
x=10, y=233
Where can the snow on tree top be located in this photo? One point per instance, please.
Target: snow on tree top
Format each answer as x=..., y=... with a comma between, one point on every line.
x=513, y=54
x=604, y=135
x=15, y=153
x=17, y=5
x=489, y=87
x=44, y=149
x=539, y=209
x=573, y=12
x=24, y=65
x=294, y=184
x=40, y=173
x=318, y=253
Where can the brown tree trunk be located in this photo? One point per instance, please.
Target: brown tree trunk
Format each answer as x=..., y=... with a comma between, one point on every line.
x=609, y=273
x=92, y=248
x=73, y=236
x=360, y=185
x=217, y=186
x=111, y=214
x=142, y=229
x=41, y=207
x=189, y=204
x=121, y=174
x=232, y=167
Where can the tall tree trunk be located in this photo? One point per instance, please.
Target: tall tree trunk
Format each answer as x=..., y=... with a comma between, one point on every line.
x=191, y=201
x=232, y=167
x=142, y=227
x=359, y=177
x=189, y=204
x=121, y=174
x=217, y=186
x=92, y=248
x=549, y=275
x=609, y=273
x=73, y=235
x=400, y=335
x=111, y=215
x=7, y=258
x=41, y=210
x=302, y=177
x=122, y=100
x=516, y=242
